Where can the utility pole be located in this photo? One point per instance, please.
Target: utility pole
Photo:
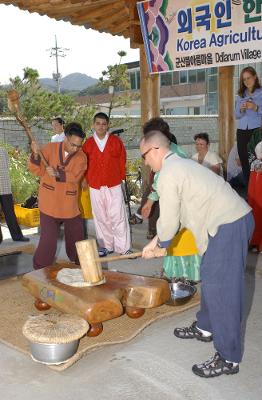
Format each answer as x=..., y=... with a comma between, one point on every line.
x=57, y=52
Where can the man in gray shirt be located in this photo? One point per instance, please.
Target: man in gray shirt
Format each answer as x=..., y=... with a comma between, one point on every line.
x=192, y=197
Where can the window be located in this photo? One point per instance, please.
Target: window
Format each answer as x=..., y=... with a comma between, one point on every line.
x=192, y=76
x=183, y=77
x=212, y=91
x=166, y=79
x=201, y=75
x=212, y=102
x=212, y=83
x=175, y=78
x=132, y=77
x=138, y=80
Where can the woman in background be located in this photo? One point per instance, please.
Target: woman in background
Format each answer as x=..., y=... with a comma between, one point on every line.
x=248, y=113
x=205, y=156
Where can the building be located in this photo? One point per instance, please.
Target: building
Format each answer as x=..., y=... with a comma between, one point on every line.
x=192, y=92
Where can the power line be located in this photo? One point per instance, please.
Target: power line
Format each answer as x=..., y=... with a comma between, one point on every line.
x=57, y=52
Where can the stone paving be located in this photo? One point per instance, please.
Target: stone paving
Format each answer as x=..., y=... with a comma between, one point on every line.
x=153, y=366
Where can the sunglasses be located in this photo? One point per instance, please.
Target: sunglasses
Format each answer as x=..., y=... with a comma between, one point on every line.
x=144, y=154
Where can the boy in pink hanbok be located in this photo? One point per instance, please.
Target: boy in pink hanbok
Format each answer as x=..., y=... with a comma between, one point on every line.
x=106, y=157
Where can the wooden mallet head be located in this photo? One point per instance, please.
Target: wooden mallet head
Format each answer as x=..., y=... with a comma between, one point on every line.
x=13, y=101
x=89, y=261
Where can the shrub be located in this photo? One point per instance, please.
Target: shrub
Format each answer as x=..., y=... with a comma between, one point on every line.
x=23, y=183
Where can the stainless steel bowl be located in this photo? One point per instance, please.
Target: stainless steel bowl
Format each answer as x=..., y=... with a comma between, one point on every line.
x=180, y=293
x=52, y=353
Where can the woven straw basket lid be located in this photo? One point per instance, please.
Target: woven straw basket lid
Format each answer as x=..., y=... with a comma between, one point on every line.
x=55, y=328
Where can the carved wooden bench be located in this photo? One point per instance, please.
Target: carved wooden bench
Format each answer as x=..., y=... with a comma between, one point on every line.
x=121, y=293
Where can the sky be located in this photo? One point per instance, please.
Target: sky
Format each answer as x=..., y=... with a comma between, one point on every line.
x=26, y=38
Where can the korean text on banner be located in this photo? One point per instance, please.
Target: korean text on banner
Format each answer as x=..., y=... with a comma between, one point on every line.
x=190, y=34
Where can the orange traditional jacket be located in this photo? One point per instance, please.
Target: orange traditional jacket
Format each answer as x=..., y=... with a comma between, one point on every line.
x=58, y=197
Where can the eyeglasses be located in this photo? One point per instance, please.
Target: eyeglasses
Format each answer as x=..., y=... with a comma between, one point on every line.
x=144, y=154
x=77, y=146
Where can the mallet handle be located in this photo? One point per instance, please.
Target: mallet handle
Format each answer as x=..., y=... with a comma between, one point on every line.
x=30, y=136
x=122, y=257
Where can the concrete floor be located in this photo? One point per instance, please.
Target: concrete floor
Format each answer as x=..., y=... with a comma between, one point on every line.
x=155, y=365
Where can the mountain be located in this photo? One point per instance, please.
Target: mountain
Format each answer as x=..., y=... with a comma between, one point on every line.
x=71, y=82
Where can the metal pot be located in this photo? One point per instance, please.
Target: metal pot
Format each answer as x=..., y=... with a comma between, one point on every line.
x=180, y=293
x=53, y=353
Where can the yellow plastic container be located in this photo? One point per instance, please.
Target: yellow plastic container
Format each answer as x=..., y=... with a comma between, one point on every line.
x=27, y=216
x=85, y=204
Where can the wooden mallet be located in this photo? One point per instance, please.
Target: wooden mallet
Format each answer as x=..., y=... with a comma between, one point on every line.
x=13, y=105
x=90, y=261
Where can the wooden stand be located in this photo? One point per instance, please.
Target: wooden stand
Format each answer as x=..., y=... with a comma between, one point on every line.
x=121, y=293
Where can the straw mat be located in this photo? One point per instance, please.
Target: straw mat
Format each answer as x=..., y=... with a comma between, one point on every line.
x=17, y=305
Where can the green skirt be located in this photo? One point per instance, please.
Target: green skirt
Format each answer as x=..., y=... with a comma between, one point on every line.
x=187, y=267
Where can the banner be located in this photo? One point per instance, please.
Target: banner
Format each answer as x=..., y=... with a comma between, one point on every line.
x=191, y=34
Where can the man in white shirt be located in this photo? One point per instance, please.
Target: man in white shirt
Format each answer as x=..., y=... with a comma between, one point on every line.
x=194, y=197
x=58, y=127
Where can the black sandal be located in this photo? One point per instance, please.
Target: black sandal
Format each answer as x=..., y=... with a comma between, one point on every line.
x=215, y=366
x=150, y=235
x=192, y=332
x=134, y=219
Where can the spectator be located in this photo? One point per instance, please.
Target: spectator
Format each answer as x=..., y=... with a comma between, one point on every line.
x=235, y=175
x=6, y=199
x=248, y=112
x=255, y=187
x=106, y=157
x=58, y=127
x=149, y=207
x=206, y=157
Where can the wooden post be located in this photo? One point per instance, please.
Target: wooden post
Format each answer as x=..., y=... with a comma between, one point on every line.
x=88, y=255
x=226, y=111
x=149, y=99
x=149, y=89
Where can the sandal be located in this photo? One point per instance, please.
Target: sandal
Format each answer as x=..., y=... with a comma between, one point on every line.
x=103, y=252
x=215, y=366
x=192, y=332
x=129, y=252
x=150, y=235
x=134, y=219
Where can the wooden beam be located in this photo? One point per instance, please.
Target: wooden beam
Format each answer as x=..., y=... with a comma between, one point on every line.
x=112, y=17
x=226, y=110
x=150, y=90
x=119, y=28
x=94, y=12
x=62, y=12
x=150, y=100
x=135, y=34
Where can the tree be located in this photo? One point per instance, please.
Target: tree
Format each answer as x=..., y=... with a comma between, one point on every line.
x=116, y=79
x=39, y=105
